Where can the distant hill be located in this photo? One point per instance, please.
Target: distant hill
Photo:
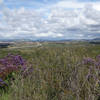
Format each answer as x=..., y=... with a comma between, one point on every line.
x=95, y=41
x=50, y=40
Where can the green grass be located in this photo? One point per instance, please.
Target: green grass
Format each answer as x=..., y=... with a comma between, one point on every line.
x=58, y=73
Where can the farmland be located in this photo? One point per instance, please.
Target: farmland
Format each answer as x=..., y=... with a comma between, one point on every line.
x=59, y=71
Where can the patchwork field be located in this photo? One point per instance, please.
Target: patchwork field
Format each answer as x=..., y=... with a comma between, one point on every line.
x=61, y=71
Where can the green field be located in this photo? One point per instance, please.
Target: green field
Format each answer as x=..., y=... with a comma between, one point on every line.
x=58, y=72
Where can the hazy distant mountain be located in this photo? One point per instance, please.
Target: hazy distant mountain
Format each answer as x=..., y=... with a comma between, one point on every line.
x=96, y=39
x=48, y=40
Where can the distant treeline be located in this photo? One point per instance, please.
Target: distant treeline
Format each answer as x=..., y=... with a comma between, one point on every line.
x=94, y=42
x=4, y=45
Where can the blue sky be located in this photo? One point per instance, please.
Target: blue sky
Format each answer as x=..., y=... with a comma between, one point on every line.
x=28, y=3
x=38, y=3
x=49, y=19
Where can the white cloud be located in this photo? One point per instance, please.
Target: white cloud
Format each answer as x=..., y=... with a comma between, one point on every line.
x=62, y=20
x=69, y=4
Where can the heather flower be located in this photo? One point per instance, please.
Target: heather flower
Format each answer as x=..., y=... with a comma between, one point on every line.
x=97, y=63
x=88, y=61
x=11, y=64
x=27, y=71
x=98, y=57
x=23, y=68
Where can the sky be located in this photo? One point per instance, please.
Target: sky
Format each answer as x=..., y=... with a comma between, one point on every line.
x=49, y=19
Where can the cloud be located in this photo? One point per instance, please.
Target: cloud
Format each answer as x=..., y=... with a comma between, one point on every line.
x=1, y=1
x=58, y=21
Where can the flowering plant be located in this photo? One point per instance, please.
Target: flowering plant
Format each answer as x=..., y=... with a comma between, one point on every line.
x=10, y=64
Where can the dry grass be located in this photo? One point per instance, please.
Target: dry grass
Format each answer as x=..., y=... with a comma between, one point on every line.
x=58, y=74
